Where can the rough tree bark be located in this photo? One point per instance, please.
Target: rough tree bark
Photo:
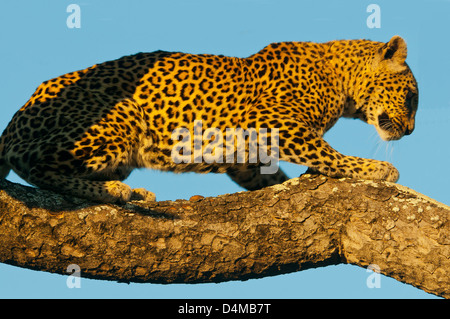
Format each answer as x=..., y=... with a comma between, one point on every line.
x=311, y=221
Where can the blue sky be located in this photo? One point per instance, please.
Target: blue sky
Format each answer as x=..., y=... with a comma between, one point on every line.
x=37, y=45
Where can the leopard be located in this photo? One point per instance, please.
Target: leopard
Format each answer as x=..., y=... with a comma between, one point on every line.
x=83, y=133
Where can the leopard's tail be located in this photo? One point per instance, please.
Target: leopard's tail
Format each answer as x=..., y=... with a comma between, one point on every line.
x=4, y=167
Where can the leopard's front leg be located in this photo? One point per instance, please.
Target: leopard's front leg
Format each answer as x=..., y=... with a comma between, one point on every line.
x=303, y=146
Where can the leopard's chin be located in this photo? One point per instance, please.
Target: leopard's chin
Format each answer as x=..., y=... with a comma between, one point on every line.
x=386, y=135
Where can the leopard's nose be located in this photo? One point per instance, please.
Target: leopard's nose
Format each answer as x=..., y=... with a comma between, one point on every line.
x=409, y=128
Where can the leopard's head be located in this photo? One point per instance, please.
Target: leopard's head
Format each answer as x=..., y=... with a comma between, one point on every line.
x=389, y=96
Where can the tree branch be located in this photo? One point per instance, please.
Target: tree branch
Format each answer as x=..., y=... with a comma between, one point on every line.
x=311, y=221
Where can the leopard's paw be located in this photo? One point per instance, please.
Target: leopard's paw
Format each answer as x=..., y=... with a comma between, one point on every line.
x=389, y=173
x=117, y=192
x=143, y=194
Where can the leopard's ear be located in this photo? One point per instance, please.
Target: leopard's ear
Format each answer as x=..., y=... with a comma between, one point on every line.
x=392, y=55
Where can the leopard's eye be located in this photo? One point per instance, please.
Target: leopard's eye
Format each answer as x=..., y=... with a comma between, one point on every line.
x=409, y=95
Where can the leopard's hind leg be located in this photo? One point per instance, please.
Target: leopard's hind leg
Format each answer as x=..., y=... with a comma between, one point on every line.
x=50, y=166
x=90, y=164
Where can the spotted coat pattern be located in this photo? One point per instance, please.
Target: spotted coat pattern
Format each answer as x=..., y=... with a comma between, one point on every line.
x=82, y=133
